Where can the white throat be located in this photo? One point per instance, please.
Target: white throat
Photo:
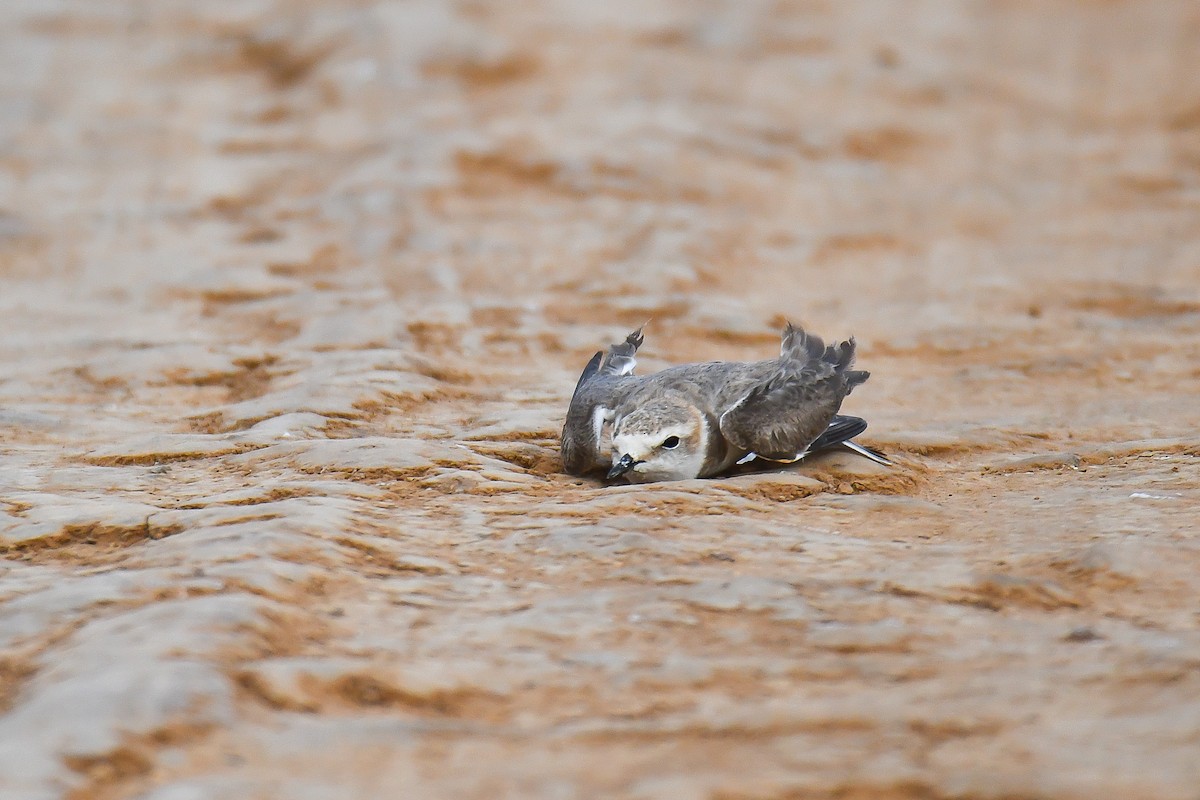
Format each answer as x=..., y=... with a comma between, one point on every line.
x=658, y=463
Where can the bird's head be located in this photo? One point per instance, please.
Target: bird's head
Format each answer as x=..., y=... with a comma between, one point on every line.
x=661, y=440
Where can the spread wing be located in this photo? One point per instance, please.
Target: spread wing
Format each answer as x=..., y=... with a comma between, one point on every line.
x=620, y=357
x=597, y=394
x=591, y=369
x=781, y=417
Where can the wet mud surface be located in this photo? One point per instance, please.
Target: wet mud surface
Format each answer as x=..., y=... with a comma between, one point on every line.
x=294, y=298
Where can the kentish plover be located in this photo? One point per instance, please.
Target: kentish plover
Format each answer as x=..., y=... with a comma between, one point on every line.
x=699, y=420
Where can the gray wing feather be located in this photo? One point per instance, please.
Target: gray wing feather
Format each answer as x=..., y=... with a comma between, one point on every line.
x=620, y=357
x=841, y=429
x=781, y=416
x=592, y=367
x=842, y=355
x=605, y=380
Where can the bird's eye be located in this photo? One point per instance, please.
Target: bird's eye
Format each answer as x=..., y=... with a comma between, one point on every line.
x=671, y=442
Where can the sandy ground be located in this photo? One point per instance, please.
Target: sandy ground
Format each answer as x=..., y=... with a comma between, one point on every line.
x=295, y=293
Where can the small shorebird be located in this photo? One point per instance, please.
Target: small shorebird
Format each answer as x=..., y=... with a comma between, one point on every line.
x=699, y=420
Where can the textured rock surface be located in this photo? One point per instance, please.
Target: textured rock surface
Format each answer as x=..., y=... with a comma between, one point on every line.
x=295, y=293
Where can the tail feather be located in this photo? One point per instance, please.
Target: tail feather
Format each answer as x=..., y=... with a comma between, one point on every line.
x=841, y=429
x=840, y=433
x=867, y=452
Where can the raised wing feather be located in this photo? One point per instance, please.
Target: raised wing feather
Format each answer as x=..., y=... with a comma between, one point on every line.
x=598, y=391
x=591, y=369
x=620, y=357
x=781, y=417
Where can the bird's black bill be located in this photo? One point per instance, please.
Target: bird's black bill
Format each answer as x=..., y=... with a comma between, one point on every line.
x=623, y=465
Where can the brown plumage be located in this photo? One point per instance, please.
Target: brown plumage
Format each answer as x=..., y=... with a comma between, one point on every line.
x=698, y=420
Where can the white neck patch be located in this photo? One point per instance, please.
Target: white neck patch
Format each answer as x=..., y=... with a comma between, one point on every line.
x=600, y=416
